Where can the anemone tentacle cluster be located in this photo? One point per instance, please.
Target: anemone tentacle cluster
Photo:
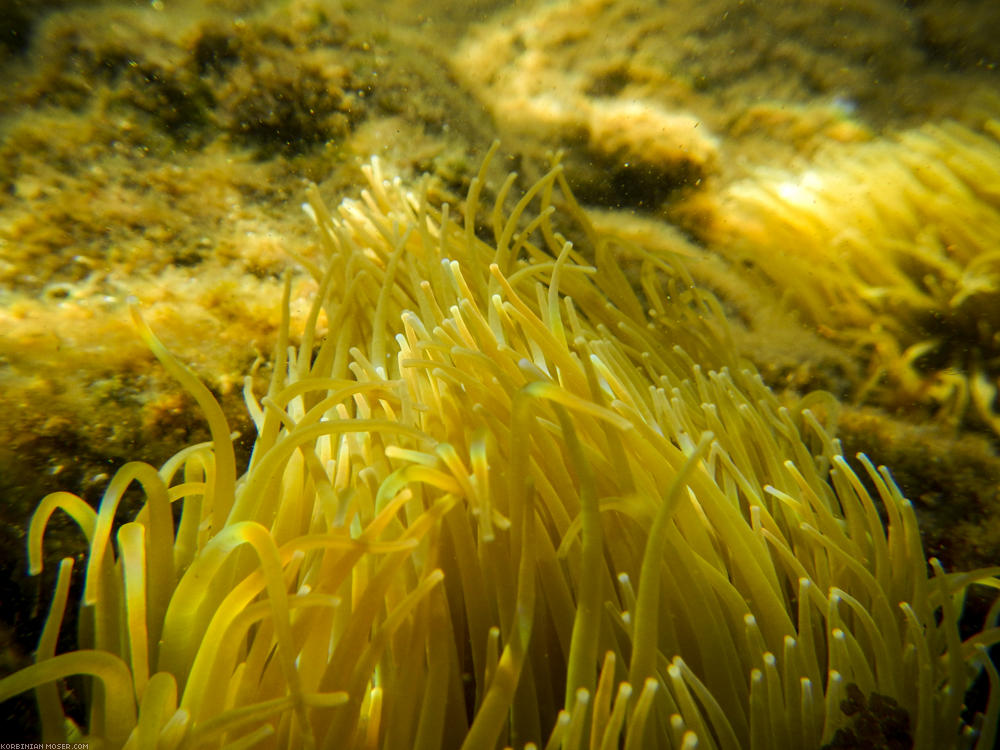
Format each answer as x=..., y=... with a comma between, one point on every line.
x=508, y=499
x=889, y=246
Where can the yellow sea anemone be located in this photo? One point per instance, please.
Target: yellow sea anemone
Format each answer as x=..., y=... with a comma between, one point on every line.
x=889, y=246
x=509, y=500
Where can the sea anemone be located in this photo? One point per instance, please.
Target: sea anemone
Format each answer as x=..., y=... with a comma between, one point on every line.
x=890, y=247
x=509, y=499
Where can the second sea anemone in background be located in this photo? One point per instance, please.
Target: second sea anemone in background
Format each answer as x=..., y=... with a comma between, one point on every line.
x=889, y=247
